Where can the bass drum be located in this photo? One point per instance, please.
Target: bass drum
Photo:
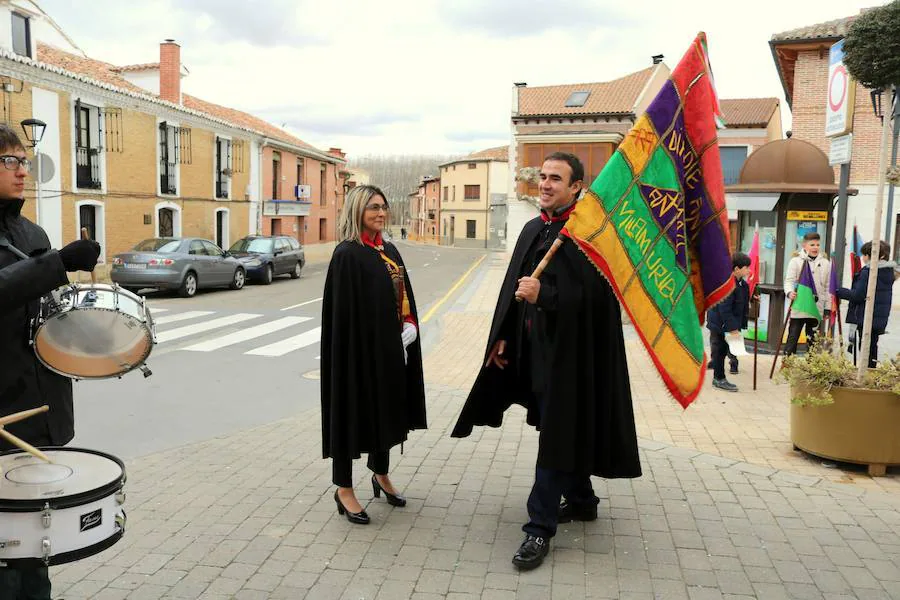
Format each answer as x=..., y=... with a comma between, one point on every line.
x=54, y=513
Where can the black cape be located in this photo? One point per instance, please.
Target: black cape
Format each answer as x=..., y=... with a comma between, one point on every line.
x=587, y=421
x=370, y=399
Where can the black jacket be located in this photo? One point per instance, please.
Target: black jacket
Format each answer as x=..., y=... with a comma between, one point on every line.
x=24, y=382
x=883, y=297
x=581, y=403
x=370, y=399
x=732, y=313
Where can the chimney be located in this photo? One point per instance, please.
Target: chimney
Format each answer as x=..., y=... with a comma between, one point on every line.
x=336, y=152
x=170, y=71
x=657, y=58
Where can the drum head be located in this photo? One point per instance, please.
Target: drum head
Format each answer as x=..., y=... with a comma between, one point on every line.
x=74, y=477
x=96, y=332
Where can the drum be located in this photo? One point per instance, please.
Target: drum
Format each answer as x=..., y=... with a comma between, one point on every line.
x=54, y=513
x=93, y=331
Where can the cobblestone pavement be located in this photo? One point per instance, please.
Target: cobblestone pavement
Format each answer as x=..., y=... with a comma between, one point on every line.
x=725, y=509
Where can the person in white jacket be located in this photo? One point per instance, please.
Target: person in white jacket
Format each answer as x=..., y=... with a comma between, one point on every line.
x=821, y=272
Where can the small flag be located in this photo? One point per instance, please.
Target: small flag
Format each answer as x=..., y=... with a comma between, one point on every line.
x=805, y=301
x=753, y=278
x=832, y=291
x=856, y=252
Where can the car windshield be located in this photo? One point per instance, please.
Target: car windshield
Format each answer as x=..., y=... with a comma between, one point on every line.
x=158, y=245
x=258, y=245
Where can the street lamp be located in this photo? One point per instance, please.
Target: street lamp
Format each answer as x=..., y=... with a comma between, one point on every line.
x=895, y=115
x=34, y=132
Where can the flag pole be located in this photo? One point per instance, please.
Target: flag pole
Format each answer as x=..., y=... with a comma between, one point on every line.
x=755, y=347
x=787, y=320
x=547, y=258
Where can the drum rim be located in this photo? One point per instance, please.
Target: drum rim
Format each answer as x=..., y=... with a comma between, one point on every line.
x=10, y=505
x=148, y=329
x=65, y=557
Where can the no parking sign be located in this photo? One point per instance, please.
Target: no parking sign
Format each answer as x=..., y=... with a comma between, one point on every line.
x=841, y=94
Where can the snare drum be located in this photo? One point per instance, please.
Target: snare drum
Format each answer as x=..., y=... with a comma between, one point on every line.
x=93, y=331
x=66, y=510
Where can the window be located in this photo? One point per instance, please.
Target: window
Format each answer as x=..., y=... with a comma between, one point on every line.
x=168, y=144
x=87, y=146
x=294, y=243
x=323, y=229
x=276, y=174
x=282, y=245
x=322, y=197
x=21, y=34
x=222, y=228
x=166, y=222
x=197, y=248
x=299, y=171
x=470, y=229
x=223, y=167
x=733, y=158
x=577, y=99
x=454, y=193
x=473, y=165
x=473, y=192
x=88, y=218
x=446, y=193
x=89, y=215
x=211, y=250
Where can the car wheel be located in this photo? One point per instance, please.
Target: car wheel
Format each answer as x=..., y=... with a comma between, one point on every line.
x=268, y=274
x=295, y=274
x=239, y=279
x=188, y=286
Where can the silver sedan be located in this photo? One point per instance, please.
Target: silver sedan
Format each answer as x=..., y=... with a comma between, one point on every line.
x=183, y=264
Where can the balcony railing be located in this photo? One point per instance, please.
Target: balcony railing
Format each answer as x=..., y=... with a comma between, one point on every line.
x=167, y=178
x=87, y=168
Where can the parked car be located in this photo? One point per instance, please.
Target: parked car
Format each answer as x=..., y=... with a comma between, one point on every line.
x=266, y=256
x=183, y=264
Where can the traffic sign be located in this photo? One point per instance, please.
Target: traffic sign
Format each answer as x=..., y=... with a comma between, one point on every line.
x=840, y=150
x=841, y=94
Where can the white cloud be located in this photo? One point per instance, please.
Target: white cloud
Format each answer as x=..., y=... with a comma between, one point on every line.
x=429, y=76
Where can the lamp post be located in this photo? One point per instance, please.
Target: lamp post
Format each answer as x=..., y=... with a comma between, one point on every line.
x=895, y=117
x=34, y=131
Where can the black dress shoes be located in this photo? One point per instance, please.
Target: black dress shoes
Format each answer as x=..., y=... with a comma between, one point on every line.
x=393, y=500
x=360, y=518
x=531, y=553
x=569, y=512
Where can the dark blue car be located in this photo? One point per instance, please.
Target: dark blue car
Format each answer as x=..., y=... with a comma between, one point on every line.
x=265, y=257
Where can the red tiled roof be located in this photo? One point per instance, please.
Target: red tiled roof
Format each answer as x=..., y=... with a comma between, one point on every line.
x=110, y=74
x=608, y=97
x=499, y=153
x=836, y=28
x=141, y=67
x=748, y=112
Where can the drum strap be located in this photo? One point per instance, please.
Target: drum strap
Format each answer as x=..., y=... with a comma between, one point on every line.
x=4, y=243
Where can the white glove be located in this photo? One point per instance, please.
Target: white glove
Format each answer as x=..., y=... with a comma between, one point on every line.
x=408, y=335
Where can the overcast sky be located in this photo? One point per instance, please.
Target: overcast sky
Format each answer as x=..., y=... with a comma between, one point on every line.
x=427, y=76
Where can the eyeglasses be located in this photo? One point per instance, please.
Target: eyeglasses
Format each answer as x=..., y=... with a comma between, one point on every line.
x=378, y=208
x=12, y=162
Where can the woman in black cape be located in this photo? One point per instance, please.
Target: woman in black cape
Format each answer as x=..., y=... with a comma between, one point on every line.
x=373, y=392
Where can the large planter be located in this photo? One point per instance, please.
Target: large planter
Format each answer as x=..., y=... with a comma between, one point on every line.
x=862, y=427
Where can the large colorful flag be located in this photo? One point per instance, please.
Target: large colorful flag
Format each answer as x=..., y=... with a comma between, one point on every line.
x=856, y=252
x=654, y=223
x=753, y=278
x=805, y=301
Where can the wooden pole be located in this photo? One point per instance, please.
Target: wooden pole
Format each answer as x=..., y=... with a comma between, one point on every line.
x=755, y=348
x=876, y=249
x=787, y=320
x=557, y=243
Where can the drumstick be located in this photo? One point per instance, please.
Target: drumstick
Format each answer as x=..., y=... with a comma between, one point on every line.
x=85, y=236
x=15, y=417
x=24, y=445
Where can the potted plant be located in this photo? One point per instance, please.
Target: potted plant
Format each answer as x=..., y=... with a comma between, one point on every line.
x=836, y=415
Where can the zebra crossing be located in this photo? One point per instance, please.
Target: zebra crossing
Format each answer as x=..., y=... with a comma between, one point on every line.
x=182, y=326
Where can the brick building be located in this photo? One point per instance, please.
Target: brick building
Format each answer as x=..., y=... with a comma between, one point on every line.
x=425, y=211
x=801, y=59
x=133, y=157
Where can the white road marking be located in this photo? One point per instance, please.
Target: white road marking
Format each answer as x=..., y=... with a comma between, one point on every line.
x=247, y=334
x=301, y=304
x=180, y=332
x=307, y=338
x=191, y=314
x=155, y=310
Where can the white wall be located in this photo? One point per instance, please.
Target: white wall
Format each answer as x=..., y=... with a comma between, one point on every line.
x=499, y=178
x=45, y=106
x=149, y=80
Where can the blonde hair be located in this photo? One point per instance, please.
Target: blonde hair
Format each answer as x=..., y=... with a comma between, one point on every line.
x=350, y=222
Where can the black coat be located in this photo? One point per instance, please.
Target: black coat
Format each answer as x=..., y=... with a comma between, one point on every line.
x=883, y=297
x=732, y=313
x=370, y=399
x=583, y=409
x=25, y=382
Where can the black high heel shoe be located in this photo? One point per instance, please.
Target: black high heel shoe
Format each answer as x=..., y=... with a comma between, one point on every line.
x=360, y=518
x=391, y=499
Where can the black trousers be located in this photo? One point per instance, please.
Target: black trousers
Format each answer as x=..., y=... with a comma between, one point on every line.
x=342, y=469
x=873, y=347
x=548, y=489
x=24, y=584
x=718, y=350
x=794, y=329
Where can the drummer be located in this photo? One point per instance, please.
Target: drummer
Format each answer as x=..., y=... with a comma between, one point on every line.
x=24, y=382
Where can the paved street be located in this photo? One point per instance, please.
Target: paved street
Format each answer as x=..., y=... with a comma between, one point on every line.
x=725, y=509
